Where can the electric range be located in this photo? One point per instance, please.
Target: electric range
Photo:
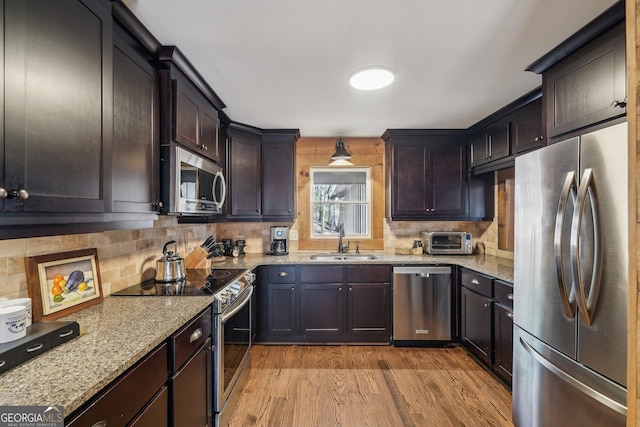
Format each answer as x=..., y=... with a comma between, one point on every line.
x=226, y=285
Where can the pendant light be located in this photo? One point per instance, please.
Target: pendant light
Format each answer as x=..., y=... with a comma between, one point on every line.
x=341, y=157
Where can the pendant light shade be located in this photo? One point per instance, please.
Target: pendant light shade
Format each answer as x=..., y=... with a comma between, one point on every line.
x=341, y=156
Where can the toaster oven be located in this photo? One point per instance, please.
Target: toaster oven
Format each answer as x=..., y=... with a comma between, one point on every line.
x=447, y=242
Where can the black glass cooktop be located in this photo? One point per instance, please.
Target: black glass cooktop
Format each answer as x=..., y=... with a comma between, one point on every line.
x=198, y=283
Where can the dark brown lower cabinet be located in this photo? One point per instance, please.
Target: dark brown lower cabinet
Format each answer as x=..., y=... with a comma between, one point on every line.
x=503, y=342
x=191, y=390
x=322, y=310
x=155, y=414
x=282, y=314
x=324, y=303
x=128, y=396
x=476, y=324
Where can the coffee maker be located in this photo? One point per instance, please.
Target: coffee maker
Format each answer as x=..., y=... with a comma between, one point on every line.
x=279, y=240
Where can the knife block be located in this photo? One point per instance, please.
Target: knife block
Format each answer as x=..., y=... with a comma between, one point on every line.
x=197, y=259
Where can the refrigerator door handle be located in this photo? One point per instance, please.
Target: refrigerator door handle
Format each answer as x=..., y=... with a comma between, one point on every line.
x=584, y=388
x=587, y=303
x=569, y=190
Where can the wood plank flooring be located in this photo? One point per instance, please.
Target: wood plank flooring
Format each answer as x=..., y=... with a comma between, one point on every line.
x=369, y=386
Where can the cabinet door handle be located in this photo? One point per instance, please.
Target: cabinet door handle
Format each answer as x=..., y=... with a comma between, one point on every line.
x=510, y=297
x=475, y=282
x=350, y=290
x=621, y=104
x=2, y=363
x=35, y=348
x=490, y=143
x=487, y=305
x=340, y=289
x=203, y=147
x=65, y=334
x=510, y=315
x=282, y=274
x=102, y=423
x=258, y=210
x=21, y=194
x=289, y=209
x=293, y=289
x=195, y=336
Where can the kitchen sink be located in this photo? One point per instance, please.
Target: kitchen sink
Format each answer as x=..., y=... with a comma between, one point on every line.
x=342, y=257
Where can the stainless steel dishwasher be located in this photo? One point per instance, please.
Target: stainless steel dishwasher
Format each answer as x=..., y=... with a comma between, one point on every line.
x=421, y=304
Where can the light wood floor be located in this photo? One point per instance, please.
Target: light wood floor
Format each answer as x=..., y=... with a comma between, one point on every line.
x=369, y=386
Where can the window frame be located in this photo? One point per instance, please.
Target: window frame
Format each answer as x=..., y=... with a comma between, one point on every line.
x=368, y=201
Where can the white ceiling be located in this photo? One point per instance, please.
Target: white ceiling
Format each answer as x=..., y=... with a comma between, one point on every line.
x=286, y=63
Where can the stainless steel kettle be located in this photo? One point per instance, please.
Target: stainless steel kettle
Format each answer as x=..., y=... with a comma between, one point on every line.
x=170, y=268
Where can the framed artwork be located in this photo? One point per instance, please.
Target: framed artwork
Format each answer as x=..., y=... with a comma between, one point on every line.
x=62, y=283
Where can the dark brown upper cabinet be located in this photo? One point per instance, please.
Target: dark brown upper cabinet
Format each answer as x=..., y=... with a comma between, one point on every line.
x=584, y=77
x=425, y=175
x=58, y=109
x=526, y=128
x=489, y=144
x=245, y=174
x=135, y=126
x=196, y=122
x=278, y=175
x=262, y=184
x=587, y=87
x=189, y=108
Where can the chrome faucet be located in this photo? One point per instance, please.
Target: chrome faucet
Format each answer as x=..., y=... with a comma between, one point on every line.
x=342, y=248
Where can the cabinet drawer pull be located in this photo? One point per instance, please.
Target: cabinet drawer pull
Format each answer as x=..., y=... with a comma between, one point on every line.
x=2, y=363
x=293, y=289
x=35, y=348
x=510, y=297
x=65, y=334
x=510, y=315
x=475, y=282
x=195, y=336
x=487, y=305
x=102, y=423
x=21, y=194
x=282, y=274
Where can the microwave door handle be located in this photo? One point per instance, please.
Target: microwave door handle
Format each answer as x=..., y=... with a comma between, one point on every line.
x=223, y=186
x=587, y=303
x=567, y=193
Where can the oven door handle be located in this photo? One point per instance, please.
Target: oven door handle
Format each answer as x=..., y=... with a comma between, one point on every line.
x=237, y=308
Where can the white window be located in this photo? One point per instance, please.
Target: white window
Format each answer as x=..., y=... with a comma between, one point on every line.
x=340, y=195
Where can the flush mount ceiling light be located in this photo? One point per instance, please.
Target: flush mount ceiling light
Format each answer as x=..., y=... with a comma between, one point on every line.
x=341, y=157
x=372, y=78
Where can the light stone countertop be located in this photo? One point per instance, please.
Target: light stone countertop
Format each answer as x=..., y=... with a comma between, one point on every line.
x=499, y=268
x=117, y=333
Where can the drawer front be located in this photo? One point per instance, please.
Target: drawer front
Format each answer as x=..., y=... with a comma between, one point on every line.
x=64, y=334
x=503, y=293
x=321, y=274
x=283, y=274
x=369, y=274
x=33, y=348
x=477, y=282
x=139, y=385
x=188, y=339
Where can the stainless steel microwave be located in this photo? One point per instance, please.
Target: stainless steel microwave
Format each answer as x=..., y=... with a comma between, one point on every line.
x=447, y=242
x=196, y=185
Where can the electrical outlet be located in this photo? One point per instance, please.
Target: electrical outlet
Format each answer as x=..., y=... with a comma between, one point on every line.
x=293, y=234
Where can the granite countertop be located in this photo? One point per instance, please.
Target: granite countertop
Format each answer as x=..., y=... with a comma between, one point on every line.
x=500, y=268
x=114, y=335
x=117, y=333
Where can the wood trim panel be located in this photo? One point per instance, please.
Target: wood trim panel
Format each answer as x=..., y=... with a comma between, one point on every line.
x=316, y=152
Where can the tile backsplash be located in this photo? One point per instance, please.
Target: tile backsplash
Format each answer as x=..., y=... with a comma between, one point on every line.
x=128, y=256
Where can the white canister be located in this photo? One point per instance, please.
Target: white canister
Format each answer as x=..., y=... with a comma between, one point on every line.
x=26, y=302
x=13, y=323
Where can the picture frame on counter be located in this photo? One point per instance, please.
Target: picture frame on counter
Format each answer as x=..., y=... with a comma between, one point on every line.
x=63, y=283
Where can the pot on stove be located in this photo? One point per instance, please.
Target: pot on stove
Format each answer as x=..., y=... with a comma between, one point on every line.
x=170, y=268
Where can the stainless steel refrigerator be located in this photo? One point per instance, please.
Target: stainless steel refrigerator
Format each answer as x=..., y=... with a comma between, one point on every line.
x=571, y=281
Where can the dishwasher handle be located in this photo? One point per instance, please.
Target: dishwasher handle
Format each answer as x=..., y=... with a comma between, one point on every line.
x=422, y=271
